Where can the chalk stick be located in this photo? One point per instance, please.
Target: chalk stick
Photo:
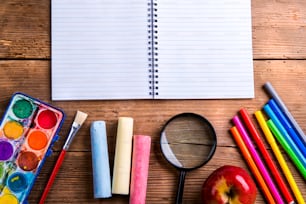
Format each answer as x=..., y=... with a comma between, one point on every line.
x=123, y=156
x=100, y=160
x=140, y=169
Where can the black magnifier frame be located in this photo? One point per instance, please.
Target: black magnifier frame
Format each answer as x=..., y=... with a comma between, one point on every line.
x=208, y=131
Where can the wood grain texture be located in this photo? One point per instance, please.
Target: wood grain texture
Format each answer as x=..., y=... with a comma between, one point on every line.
x=25, y=29
x=279, y=51
x=278, y=29
x=74, y=181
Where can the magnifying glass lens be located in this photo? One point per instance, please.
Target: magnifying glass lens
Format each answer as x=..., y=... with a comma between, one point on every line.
x=188, y=141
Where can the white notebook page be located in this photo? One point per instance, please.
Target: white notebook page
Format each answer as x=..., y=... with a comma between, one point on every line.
x=100, y=49
x=205, y=49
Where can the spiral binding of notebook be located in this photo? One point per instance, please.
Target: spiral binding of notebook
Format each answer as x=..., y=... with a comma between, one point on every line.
x=153, y=46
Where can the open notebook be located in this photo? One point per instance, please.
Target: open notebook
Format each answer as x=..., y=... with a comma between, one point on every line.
x=145, y=49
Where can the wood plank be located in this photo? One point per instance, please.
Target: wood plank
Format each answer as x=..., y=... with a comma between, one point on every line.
x=33, y=78
x=25, y=29
x=278, y=29
x=74, y=180
x=74, y=184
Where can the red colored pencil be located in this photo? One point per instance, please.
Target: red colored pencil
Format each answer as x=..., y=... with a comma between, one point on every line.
x=255, y=135
x=251, y=163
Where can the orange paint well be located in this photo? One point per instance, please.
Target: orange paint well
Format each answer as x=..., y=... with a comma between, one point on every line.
x=37, y=140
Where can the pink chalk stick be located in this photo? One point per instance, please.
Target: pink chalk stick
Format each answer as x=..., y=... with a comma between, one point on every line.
x=140, y=169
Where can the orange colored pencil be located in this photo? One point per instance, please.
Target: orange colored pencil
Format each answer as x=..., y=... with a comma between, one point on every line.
x=247, y=156
x=276, y=175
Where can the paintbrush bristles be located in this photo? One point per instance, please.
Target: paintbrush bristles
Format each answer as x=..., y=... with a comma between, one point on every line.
x=80, y=117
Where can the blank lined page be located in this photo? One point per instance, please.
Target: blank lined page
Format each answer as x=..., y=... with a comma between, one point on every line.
x=99, y=49
x=204, y=49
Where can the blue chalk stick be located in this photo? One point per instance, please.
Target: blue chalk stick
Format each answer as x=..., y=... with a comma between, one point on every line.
x=100, y=160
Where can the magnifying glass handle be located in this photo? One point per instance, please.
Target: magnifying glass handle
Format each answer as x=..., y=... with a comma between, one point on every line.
x=180, y=189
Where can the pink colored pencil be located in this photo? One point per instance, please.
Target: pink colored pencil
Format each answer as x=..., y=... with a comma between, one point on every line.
x=257, y=159
x=140, y=169
x=277, y=176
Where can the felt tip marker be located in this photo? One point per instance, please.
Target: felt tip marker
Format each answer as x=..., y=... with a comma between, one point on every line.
x=253, y=167
x=268, y=134
x=286, y=147
x=266, y=156
x=245, y=137
x=291, y=147
x=282, y=118
x=271, y=91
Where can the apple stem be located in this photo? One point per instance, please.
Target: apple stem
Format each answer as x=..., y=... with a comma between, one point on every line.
x=230, y=194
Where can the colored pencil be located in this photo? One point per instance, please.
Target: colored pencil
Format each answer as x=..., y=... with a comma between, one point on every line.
x=244, y=135
x=256, y=137
x=282, y=118
x=292, y=148
x=79, y=119
x=286, y=147
x=271, y=91
x=249, y=160
x=295, y=189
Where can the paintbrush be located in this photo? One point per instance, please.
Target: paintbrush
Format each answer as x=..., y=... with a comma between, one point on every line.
x=79, y=119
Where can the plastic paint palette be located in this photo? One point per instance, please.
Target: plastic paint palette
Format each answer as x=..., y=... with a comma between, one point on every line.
x=28, y=130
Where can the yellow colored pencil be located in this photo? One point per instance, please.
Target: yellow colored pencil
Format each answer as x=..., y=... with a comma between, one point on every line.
x=248, y=158
x=262, y=123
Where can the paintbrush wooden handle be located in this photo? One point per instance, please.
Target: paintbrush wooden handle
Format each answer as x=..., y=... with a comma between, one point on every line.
x=52, y=177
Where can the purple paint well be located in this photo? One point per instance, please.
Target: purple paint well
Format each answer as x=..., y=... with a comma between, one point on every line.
x=6, y=150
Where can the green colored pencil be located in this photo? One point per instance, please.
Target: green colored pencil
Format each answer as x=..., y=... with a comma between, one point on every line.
x=286, y=147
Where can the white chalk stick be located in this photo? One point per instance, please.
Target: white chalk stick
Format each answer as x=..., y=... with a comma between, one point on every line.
x=123, y=156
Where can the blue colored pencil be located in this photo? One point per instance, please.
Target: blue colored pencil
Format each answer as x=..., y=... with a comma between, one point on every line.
x=272, y=92
x=284, y=121
x=285, y=135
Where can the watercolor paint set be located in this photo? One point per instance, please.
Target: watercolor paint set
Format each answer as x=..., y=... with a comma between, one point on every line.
x=28, y=130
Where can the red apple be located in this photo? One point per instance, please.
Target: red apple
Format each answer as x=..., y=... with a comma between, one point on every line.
x=229, y=185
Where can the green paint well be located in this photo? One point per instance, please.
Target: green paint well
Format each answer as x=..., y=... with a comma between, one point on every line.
x=22, y=108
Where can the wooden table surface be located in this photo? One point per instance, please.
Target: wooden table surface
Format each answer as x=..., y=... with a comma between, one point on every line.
x=279, y=50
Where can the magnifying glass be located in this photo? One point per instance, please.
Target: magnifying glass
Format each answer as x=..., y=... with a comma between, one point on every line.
x=188, y=141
